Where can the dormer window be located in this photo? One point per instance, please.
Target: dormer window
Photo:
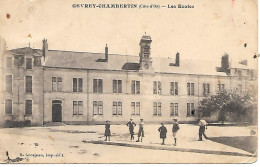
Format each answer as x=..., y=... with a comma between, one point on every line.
x=28, y=63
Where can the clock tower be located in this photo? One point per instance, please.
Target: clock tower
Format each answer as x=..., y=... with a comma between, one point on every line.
x=145, y=54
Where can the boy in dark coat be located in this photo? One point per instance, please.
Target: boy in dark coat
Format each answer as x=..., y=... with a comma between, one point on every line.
x=107, y=130
x=163, y=132
x=175, y=129
x=141, y=131
x=131, y=126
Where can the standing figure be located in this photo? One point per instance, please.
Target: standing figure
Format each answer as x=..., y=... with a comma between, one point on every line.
x=141, y=131
x=131, y=126
x=107, y=130
x=163, y=132
x=203, y=126
x=175, y=129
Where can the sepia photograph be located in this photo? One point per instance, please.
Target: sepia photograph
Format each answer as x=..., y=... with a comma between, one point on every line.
x=128, y=81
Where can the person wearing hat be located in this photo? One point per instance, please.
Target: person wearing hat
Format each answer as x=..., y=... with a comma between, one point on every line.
x=141, y=130
x=175, y=129
x=131, y=126
x=163, y=132
x=203, y=125
x=107, y=130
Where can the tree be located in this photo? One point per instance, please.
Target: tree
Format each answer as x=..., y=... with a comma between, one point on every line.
x=233, y=105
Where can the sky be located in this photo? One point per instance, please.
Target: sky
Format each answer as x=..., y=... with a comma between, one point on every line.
x=209, y=30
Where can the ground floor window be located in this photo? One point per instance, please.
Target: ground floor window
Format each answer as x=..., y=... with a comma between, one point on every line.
x=97, y=108
x=77, y=107
x=117, y=108
x=28, y=107
x=8, y=106
x=174, y=109
x=190, y=109
x=157, y=109
x=135, y=108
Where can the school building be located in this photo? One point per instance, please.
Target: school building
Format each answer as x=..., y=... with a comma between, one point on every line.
x=42, y=86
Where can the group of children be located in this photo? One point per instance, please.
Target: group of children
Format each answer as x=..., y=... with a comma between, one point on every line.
x=131, y=125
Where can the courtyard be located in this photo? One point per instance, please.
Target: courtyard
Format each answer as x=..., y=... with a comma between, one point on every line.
x=85, y=144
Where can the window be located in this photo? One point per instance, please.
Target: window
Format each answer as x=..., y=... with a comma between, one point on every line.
x=190, y=109
x=117, y=108
x=8, y=83
x=56, y=84
x=239, y=75
x=28, y=84
x=174, y=109
x=135, y=108
x=117, y=86
x=98, y=85
x=77, y=107
x=8, y=107
x=157, y=109
x=28, y=63
x=174, y=88
x=135, y=87
x=97, y=108
x=28, y=107
x=157, y=87
x=77, y=85
x=9, y=62
x=190, y=88
x=206, y=89
x=221, y=87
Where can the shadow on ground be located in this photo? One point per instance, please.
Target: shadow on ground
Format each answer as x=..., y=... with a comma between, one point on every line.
x=246, y=143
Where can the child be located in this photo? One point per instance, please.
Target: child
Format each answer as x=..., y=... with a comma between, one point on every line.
x=163, y=132
x=141, y=130
x=175, y=129
x=107, y=130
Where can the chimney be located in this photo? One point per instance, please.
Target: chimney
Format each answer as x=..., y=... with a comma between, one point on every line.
x=44, y=48
x=177, y=60
x=106, y=53
x=225, y=63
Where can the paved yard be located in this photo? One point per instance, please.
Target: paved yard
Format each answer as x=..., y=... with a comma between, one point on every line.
x=61, y=144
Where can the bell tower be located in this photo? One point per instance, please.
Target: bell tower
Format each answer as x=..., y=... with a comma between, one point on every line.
x=145, y=54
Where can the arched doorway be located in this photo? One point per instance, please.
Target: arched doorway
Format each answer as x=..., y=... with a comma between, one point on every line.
x=56, y=111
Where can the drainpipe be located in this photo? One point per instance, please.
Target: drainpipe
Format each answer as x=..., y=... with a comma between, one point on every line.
x=87, y=97
x=43, y=95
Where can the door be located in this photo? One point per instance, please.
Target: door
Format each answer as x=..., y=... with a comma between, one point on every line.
x=56, y=111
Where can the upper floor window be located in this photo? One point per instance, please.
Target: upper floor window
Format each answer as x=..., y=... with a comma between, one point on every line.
x=98, y=85
x=56, y=84
x=77, y=107
x=117, y=86
x=77, y=85
x=135, y=108
x=157, y=87
x=28, y=107
x=206, y=89
x=117, y=108
x=221, y=87
x=28, y=84
x=9, y=62
x=8, y=83
x=174, y=109
x=97, y=108
x=157, y=109
x=135, y=87
x=28, y=63
x=174, y=88
x=8, y=107
x=190, y=109
x=190, y=88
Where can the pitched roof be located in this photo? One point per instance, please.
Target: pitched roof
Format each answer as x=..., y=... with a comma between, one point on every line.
x=88, y=60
